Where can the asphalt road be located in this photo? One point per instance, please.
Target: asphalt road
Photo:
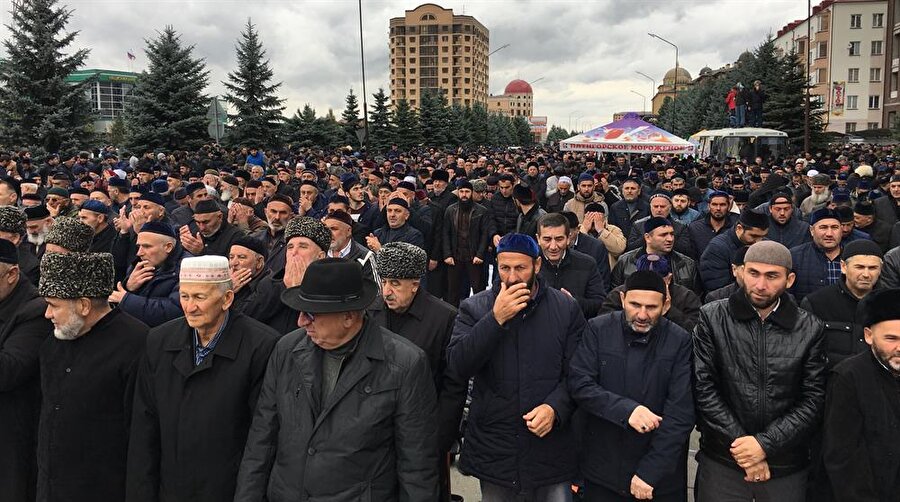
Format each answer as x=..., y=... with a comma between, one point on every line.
x=467, y=486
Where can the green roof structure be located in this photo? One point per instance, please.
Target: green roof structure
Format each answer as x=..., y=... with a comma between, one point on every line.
x=103, y=76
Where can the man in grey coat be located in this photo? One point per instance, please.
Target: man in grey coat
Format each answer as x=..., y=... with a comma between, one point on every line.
x=347, y=409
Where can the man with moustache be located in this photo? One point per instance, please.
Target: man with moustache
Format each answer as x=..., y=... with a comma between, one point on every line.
x=413, y=313
x=279, y=210
x=818, y=263
x=466, y=231
x=862, y=409
x=247, y=266
x=759, y=386
x=631, y=375
x=516, y=340
x=87, y=372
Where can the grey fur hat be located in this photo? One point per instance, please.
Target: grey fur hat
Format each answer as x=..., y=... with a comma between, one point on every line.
x=401, y=260
x=76, y=275
x=311, y=228
x=71, y=234
x=12, y=220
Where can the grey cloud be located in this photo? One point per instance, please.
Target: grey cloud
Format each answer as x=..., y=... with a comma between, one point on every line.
x=587, y=51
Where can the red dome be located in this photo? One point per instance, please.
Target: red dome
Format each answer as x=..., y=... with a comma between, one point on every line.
x=518, y=87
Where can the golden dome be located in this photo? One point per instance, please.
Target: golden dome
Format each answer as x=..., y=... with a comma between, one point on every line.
x=683, y=76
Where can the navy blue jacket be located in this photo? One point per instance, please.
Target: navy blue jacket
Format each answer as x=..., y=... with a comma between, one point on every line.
x=517, y=367
x=613, y=371
x=794, y=233
x=701, y=232
x=594, y=247
x=810, y=267
x=620, y=217
x=715, y=262
x=157, y=301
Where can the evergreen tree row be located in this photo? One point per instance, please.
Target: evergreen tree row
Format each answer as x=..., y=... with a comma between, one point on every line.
x=783, y=78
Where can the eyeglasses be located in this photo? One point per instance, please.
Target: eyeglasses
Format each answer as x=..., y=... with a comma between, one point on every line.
x=310, y=316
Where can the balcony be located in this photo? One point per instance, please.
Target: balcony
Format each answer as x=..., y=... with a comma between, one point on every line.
x=895, y=64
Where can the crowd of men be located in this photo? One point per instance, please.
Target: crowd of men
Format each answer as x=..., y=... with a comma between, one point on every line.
x=294, y=325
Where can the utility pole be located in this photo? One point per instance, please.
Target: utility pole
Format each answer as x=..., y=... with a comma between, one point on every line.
x=362, y=60
x=806, y=145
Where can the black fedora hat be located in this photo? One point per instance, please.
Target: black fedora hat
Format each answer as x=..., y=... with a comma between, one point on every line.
x=331, y=285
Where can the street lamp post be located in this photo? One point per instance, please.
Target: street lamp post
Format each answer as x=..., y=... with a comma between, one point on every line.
x=652, y=82
x=570, y=120
x=362, y=60
x=644, y=98
x=674, y=80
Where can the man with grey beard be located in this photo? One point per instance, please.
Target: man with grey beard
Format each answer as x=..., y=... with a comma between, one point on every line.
x=37, y=226
x=87, y=369
x=820, y=197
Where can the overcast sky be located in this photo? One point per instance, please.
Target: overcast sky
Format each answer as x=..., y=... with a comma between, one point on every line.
x=586, y=51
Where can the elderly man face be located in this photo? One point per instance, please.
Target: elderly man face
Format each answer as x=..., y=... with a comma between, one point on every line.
x=278, y=214
x=553, y=242
x=69, y=317
x=92, y=219
x=819, y=189
x=205, y=304
x=36, y=230
x=78, y=199
x=268, y=188
x=241, y=258
x=563, y=187
x=8, y=196
x=643, y=309
x=884, y=338
x=764, y=283
x=308, y=193
x=332, y=330
x=208, y=223
x=154, y=248
x=398, y=294
x=57, y=202
x=256, y=172
x=660, y=206
x=304, y=249
x=151, y=210
x=341, y=233
x=101, y=196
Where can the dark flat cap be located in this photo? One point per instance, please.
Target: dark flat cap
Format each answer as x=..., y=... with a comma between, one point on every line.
x=859, y=247
x=255, y=245
x=207, y=206
x=8, y=252
x=158, y=227
x=753, y=219
x=341, y=216
x=36, y=213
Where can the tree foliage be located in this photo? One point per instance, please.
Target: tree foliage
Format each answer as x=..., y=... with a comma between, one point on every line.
x=350, y=119
x=783, y=79
x=38, y=108
x=381, y=127
x=168, y=108
x=252, y=94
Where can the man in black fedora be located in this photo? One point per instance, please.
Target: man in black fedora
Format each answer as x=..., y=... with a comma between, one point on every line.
x=346, y=407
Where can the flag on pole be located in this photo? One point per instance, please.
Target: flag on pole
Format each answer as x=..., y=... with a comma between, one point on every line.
x=130, y=56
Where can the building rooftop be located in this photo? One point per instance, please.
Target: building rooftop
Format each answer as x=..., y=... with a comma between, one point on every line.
x=102, y=76
x=518, y=87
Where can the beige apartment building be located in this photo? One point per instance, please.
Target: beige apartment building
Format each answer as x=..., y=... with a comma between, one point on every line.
x=433, y=49
x=847, y=60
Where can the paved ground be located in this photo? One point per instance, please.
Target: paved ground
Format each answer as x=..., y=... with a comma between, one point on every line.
x=468, y=486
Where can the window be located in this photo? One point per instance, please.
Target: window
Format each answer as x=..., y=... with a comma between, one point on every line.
x=853, y=75
x=854, y=48
x=850, y=127
x=823, y=50
x=877, y=20
x=821, y=76
x=877, y=46
x=874, y=102
x=852, y=102
x=874, y=74
x=872, y=125
x=855, y=21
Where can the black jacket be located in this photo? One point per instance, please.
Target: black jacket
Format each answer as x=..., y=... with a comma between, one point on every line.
x=836, y=307
x=759, y=378
x=23, y=329
x=479, y=230
x=103, y=242
x=684, y=271
x=620, y=216
x=596, y=249
x=406, y=233
x=527, y=223
x=886, y=209
x=29, y=264
x=504, y=213
x=265, y=305
x=860, y=447
x=557, y=201
x=684, y=310
x=517, y=367
x=220, y=242
x=614, y=371
x=428, y=323
x=576, y=273
x=190, y=422
x=701, y=232
x=87, y=386
x=373, y=439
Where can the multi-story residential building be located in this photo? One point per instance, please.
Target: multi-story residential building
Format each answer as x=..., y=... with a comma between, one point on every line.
x=890, y=96
x=847, y=60
x=434, y=50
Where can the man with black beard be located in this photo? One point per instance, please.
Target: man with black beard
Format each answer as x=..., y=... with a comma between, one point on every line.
x=759, y=386
x=466, y=230
x=717, y=220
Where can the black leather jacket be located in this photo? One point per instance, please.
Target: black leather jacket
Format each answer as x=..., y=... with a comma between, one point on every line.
x=759, y=378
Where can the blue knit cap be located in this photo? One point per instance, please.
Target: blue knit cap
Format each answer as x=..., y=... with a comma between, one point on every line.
x=519, y=243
